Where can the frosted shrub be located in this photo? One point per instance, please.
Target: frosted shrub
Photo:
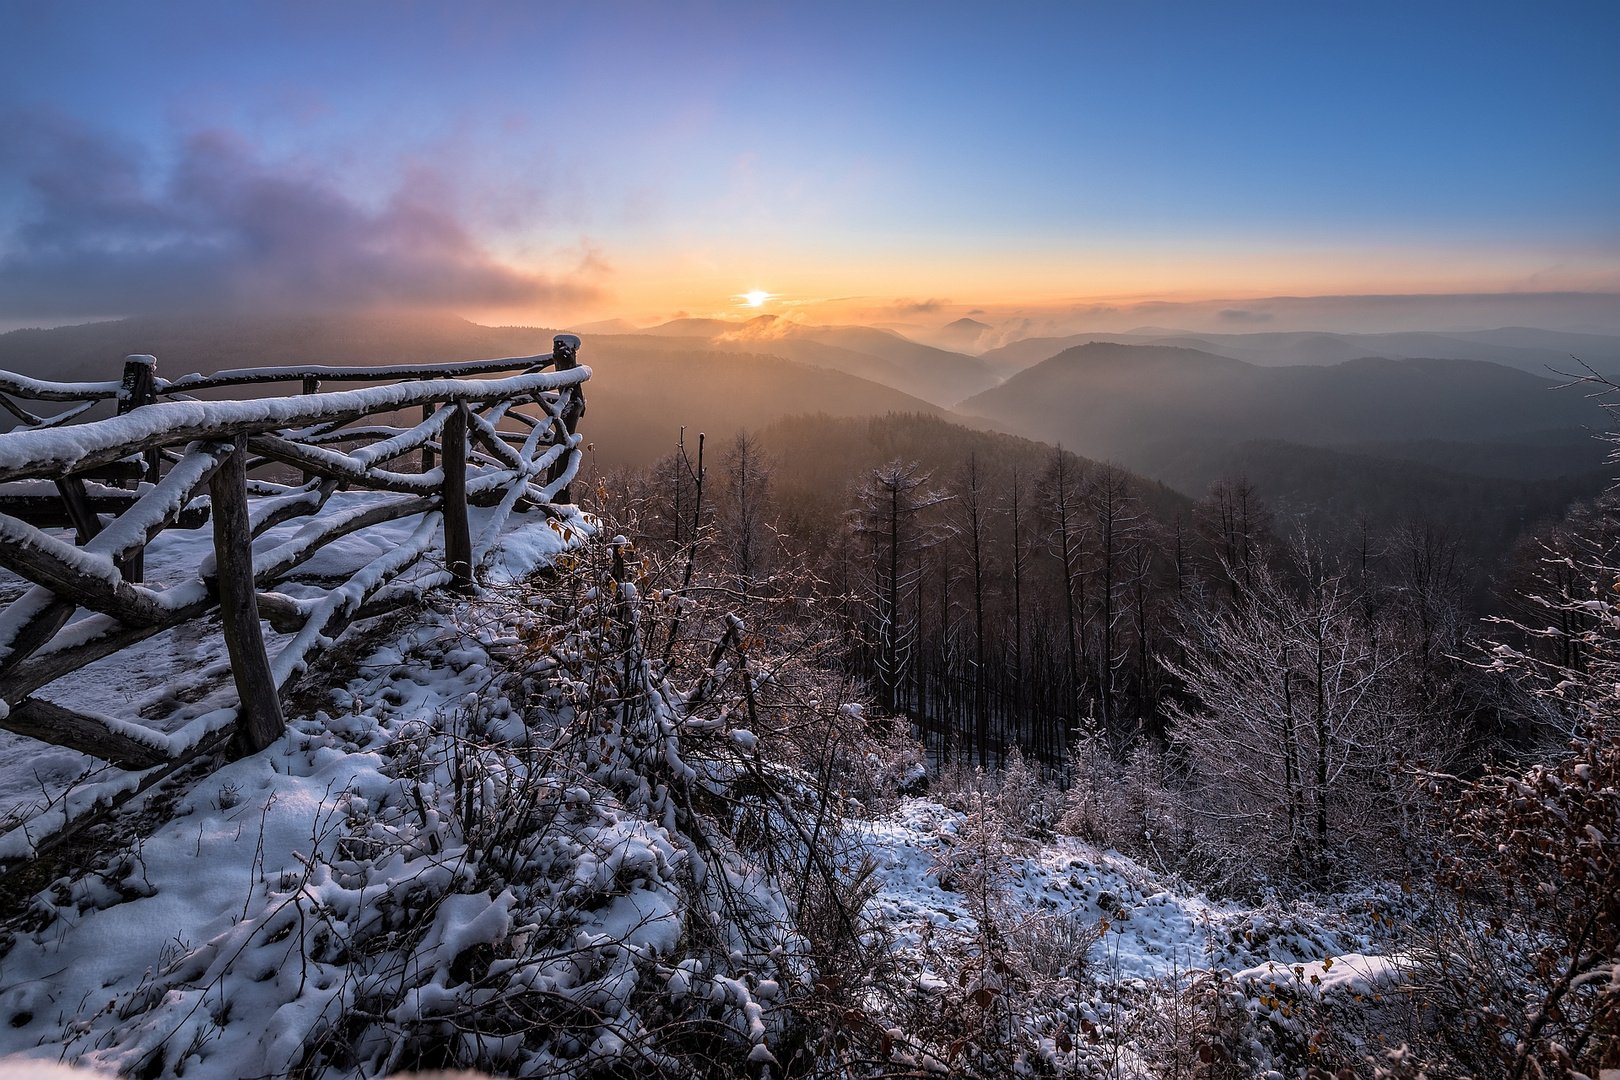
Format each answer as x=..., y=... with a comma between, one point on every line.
x=983, y=989
x=1020, y=796
x=1088, y=808
x=889, y=763
x=957, y=778
x=1155, y=823
x=1521, y=966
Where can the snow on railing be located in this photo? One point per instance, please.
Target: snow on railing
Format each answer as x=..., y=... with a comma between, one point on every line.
x=506, y=443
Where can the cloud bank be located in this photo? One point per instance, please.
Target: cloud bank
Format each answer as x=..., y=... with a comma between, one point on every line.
x=84, y=230
x=1579, y=312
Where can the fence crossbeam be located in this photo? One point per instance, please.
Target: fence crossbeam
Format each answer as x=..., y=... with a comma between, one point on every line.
x=187, y=447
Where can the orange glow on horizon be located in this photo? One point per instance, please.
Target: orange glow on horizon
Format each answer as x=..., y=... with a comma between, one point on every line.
x=1043, y=282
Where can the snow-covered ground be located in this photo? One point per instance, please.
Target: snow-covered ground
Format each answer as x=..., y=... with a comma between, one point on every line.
x=413, y=875
x=1159, y=954
x=188, y=949
x=1153, y=929
x=159, y=950
x=172, y=678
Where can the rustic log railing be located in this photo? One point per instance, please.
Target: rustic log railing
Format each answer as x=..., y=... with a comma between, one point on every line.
x=168, y=460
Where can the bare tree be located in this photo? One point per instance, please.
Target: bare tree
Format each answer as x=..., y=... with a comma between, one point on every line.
x=1142, y=595
x=888, y=504
x=1234, y=525
x=1017, y=509
x=656, y=505
x=1430, y=582
x=744, y=517
x=1116, y=518
x=1283, y=700
x=1061, y=499
x=971, y=526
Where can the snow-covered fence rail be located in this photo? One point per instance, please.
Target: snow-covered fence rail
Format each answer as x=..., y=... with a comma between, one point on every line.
x=486, y=438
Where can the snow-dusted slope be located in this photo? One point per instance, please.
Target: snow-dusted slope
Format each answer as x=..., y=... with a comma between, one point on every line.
x=1154, y=928
x=1163, y=965
x=181, y=676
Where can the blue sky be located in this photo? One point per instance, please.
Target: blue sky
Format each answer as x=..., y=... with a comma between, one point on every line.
x=573, y=159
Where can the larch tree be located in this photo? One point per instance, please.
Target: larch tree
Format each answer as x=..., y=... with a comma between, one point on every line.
x=744, y=520
x=971, y=526
x=1234, y=526
x=888, y=505
x=1061, y=500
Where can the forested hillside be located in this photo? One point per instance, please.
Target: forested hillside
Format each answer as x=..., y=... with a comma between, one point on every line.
x=935, y=375
x=1270, y=705
x=1104, y=399
x=1538, y=352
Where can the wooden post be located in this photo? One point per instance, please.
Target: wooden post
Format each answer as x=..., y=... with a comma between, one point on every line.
x=565, y=351
x=457, y=535
x=77, y=501
x=427, y=451
x=312, y=385
x=258, y=720
x=140, y=388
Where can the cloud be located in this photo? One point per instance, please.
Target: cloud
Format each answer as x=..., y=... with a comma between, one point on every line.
x=1242, y=315
x=918, y=307
x=85, y=230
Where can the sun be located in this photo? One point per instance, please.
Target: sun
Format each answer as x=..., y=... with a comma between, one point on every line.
x=755, y=297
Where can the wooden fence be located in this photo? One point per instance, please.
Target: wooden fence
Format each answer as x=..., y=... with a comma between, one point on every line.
x=169, y=459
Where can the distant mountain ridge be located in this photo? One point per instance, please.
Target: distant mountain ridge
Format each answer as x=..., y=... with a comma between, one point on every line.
x=1110, y=400
x=1483, y=447
x=1525, y=348
x=938, y=376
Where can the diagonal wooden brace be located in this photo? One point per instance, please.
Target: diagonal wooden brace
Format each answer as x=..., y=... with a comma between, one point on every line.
x=88, y=579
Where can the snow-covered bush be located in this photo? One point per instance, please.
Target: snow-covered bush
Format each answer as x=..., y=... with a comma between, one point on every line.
x=1521, y=965
x=1089, y=808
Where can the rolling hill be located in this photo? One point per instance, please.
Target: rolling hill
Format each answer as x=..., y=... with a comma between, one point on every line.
x=1482, y=448
x=935, y=375
x=819, y=458
x=1524, y=348
x=1479, y=449
x=1341, y=496
x=1110, y=400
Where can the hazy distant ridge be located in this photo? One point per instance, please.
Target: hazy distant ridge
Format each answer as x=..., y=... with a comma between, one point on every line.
x=935, y=375
x=1525, y=348
x=1111, y=400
